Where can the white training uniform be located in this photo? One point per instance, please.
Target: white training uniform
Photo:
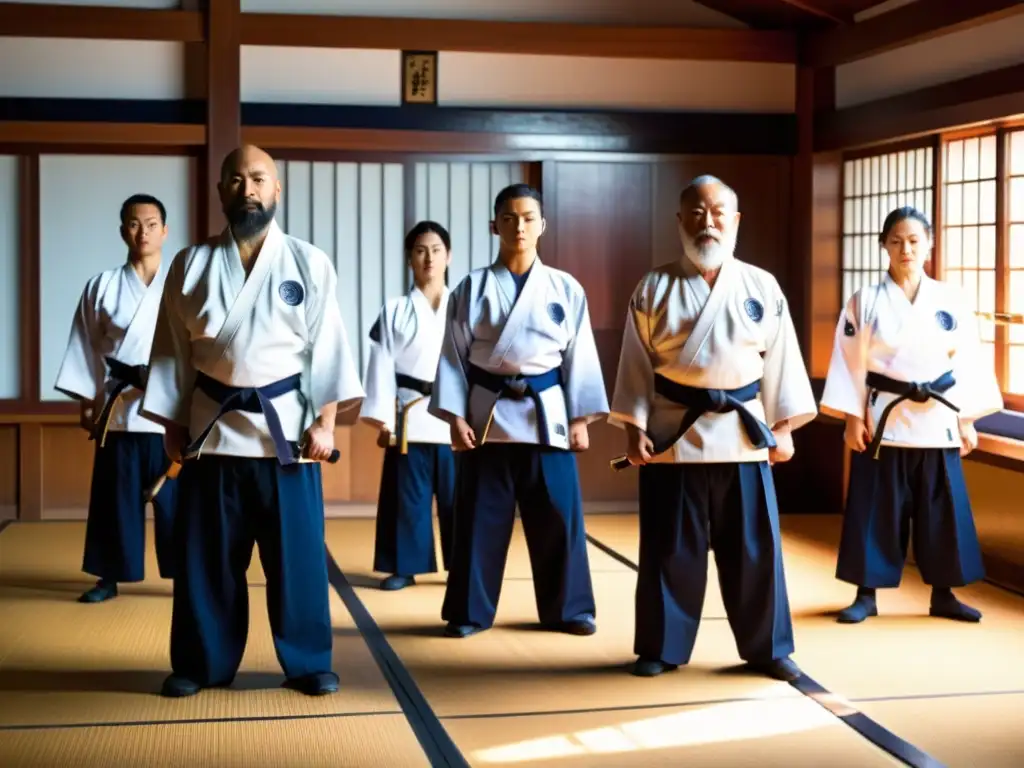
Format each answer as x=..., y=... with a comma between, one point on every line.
x=116, y=318
x=406, y=340
x=548, y=327
x=724, y=337
x=880, y=330
x=282, y=320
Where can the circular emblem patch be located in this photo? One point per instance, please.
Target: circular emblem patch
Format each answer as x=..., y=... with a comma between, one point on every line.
x=291, y=293
x=946, y=321
x=556, y=313
x=755, y=310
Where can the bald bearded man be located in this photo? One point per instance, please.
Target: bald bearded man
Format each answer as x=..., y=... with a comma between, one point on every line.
x=250, y=363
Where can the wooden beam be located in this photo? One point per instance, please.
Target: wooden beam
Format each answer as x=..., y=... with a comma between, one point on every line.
x=988, y=97
x=98, y=23
x=223, y=100
x=814, y=10
x=28, y=267
x=272, y=29
x=913, y=23
x=740, y=134
x=45, y=132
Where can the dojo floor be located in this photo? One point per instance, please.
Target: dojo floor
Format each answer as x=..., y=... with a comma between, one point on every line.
x=78, y=682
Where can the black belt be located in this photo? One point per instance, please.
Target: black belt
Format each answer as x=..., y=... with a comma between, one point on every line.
x=252, y=400
x=519, y=387
x=123, y=376
x=907, y=390
x=416, y=385
x=424, y=388
x=698, y=402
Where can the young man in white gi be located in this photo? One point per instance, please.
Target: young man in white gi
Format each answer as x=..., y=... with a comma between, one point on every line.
x=104, y=368
x=519, y=381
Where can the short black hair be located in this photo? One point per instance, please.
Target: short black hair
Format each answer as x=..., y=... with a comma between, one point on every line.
x=423, y=228
x=515, y=192
x=902, y=214
x=127, y=205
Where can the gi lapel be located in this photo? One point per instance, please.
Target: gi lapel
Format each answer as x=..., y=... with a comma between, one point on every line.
x=905, y=313
x=139, y=334
x=424, y=315
x=246, y=289
x=521, y=309
x=716, y=301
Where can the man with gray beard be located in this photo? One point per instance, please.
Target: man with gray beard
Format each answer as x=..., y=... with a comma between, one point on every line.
x=710, y=386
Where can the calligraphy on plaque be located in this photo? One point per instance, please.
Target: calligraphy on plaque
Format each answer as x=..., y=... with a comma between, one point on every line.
x=419, y=77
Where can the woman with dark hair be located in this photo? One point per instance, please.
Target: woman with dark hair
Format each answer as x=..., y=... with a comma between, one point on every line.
x=418, y=459
x=908, y=377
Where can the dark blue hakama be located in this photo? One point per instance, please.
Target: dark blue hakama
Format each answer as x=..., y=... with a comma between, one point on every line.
x=404, y=544
x=124, y=468
x=685, y=509
x=544, y=482
x=228, y=504
x=904, y=493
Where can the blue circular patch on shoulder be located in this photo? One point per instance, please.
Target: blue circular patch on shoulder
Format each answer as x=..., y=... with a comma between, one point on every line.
x=754, y=309
x=945, y=320
x=556, y=313
x=291, y=293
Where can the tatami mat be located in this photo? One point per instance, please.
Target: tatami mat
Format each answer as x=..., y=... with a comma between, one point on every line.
x=511, y=695
x=569, y=700
x=66, y=662
x=788, y=733
x=383, y=741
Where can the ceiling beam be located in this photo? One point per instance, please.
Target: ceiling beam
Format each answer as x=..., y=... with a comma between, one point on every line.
x=990, y=96
x=814, y=10
x=300, y=30
x=914, y=23
x=772, y=14
x=99, y=23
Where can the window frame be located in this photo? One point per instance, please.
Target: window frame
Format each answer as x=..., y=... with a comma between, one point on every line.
x=938, y=142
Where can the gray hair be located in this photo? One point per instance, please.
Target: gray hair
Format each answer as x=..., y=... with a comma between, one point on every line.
x=707, y=179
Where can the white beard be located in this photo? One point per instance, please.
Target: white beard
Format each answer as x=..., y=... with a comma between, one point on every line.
x=710, y=256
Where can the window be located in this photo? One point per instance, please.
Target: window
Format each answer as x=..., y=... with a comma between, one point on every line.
x=1016, y=260
x=982, y=242
x=968, y=241
x=872, y=187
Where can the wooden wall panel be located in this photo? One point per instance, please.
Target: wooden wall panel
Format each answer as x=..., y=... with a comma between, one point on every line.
x=8, y=472
x=67, y=471
x=826, y=260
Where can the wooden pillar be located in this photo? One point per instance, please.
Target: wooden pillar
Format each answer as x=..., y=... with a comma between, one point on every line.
x=814, y=481
x=815, y=93
x=223, y=101
x=30, y=436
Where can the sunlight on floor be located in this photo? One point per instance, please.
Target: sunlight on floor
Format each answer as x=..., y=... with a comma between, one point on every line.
x=772, y=713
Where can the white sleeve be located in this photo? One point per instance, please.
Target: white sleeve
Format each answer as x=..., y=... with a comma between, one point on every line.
x=334, y=377
x=83, y=371
x=846, y=388
x=583, y=382
x=381, y=391
x=634, y=380
x=450, y=395
x=172, y=376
